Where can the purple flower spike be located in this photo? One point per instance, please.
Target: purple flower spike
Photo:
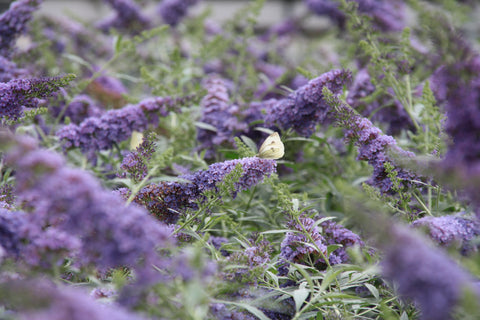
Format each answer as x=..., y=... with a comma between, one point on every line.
x=337, y=234
x=297, y=247
x=82, y=107
x=219, y=113
x=13, y=23
x=450, y=230
x=386, y=15
x=95, y=134
x=68, y=206
x=375, y=147
x=425, y=274
x=18, y=94
x=9, y=70
x=128, y=17
x=303, y=109
x=166, y=200
x=173, y=11
x=42, y=300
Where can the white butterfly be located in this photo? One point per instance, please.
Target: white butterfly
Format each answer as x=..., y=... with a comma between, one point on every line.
x=272, y=147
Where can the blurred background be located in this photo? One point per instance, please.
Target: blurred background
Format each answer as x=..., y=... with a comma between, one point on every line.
x=222, y=9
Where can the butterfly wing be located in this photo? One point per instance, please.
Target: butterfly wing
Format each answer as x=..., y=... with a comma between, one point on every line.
x=272, y=147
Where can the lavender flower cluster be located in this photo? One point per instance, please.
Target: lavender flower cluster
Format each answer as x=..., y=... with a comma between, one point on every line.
x=173, y=11
x=425, y=274
x=166, y=200
x=70, y=215
x=337, y=234
x=218, y=112
x=128, y=17
x=297, y=245
x=375, y=148
x=101, y=133
x=45, y=300
x=18, y=94
x=451, y=231
x=386, y=15
x=82, y=107
x=13, y=22
x=304, y=108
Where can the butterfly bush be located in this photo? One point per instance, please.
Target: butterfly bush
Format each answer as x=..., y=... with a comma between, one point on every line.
x=173, y=11
x=304, y=108
x=457, y=84
x=82, y=107
x=70, y=35
x=218, y=112
x=9, y=70
x=13, y=23
x=101, y=133
x=451, y=231
x=165, y=200
x=128, y=17
x=164, y=231
x=18, y=94
x=68, y=209
x=385, y=15
x=45, y=300
x=337, y=234
x=297, y=244
x=425, y=274
x=374, y=147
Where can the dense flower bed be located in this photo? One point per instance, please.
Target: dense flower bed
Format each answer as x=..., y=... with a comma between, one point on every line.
x=134, y=183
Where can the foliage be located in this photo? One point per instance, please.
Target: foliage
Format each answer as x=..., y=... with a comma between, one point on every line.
x=130, y=187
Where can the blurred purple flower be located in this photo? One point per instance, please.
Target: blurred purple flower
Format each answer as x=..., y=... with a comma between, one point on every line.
x=66, y=33
x=128, y=17
x=173, y=11
x=451, y=230
x=424, y=273
x=13, y=23
x=217, y=243
x=337, y=234
x=9, y=70
x=42, y=300
x=304, y=108
x=219, y=113
x=82, y=107
x=273, y=73
x=386, y=15
x=219, y=311
x=114, y=126
x=11, y=226
x=457, y=85
x=69, y=206
x=18, y=94
x=297, y=247
x=167, y=199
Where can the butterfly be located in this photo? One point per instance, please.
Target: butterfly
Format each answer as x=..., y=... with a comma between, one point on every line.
x=272, y=147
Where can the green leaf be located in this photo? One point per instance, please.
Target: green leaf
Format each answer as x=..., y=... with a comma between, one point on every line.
x=373, y=290
x=250, y=143
x=205, y=126
x=300, y=295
